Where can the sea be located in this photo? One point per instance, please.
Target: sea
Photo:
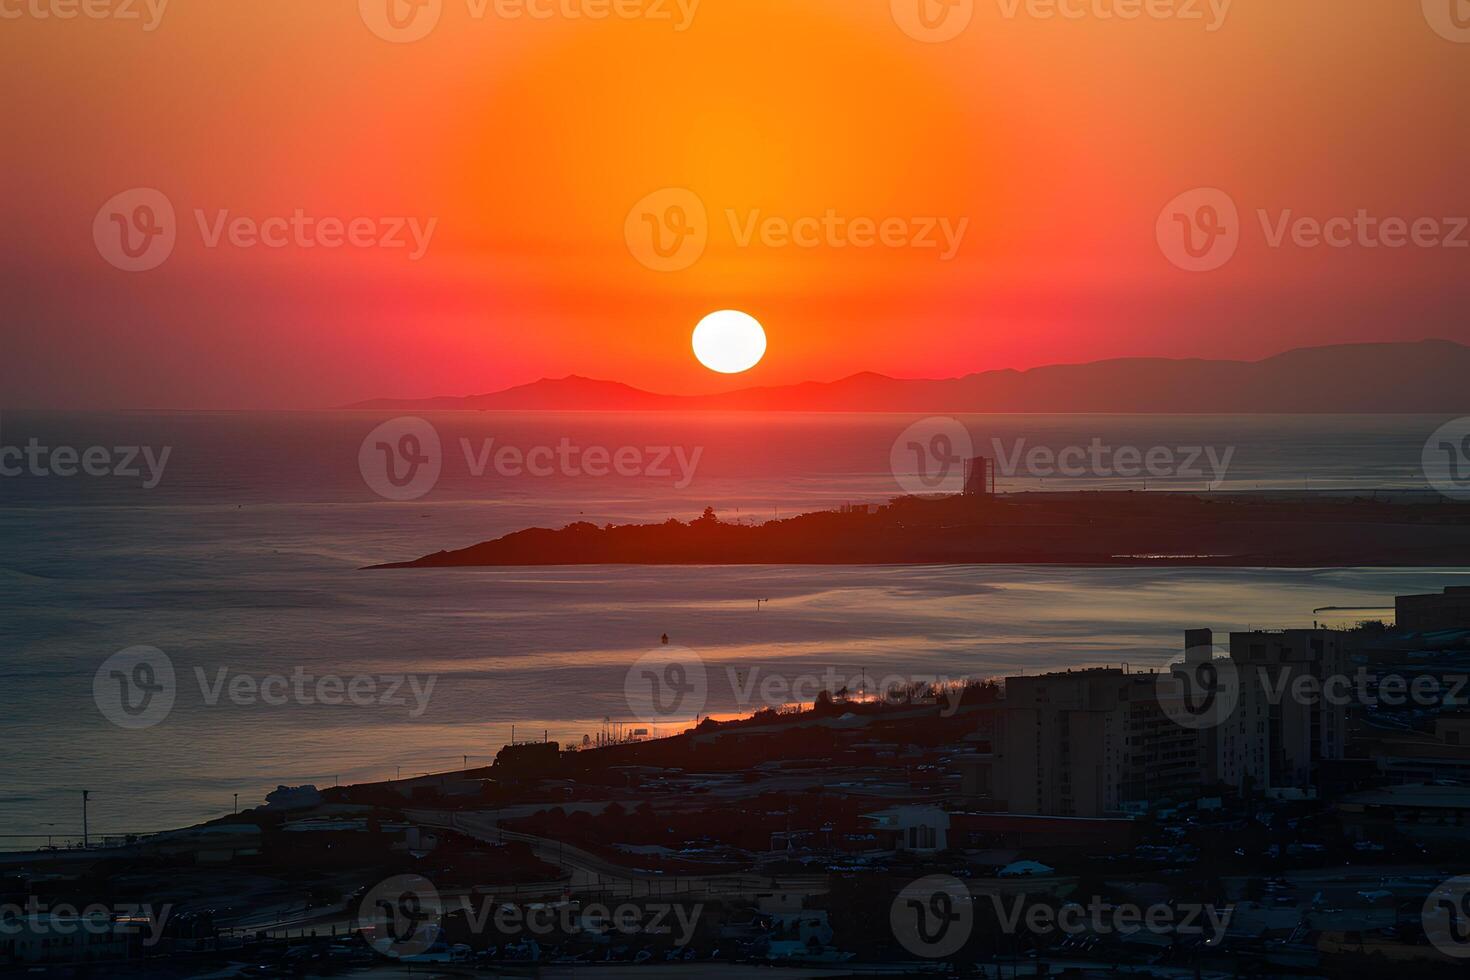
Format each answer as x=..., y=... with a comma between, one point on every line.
x=235, y=546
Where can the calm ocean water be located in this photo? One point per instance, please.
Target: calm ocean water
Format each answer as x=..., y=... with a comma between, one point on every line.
x=245, y=559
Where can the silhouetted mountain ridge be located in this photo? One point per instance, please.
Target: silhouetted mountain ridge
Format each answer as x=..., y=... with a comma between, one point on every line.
x=1418, y=377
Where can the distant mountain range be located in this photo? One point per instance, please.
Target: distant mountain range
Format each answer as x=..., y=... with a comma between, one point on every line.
x=1431, y=377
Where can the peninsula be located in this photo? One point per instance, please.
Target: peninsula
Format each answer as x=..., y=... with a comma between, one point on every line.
x=1267, y=529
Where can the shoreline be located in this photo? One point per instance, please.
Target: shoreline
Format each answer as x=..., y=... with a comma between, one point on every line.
x=1262, y=529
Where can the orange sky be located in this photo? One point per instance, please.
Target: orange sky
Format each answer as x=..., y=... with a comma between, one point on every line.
x=1057, y=140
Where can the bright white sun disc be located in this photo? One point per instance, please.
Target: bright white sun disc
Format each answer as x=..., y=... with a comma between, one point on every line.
x=729, y=342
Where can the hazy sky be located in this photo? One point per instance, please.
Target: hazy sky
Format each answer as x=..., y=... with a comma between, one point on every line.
x=880, y=198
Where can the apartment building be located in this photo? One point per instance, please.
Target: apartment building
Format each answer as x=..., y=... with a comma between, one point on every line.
x=1285, y=725
x=1088, y=743
x=1099, y=741
x=1447, y=610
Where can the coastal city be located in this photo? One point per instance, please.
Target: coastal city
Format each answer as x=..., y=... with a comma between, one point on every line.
x=1274, y=803
x=735, y=490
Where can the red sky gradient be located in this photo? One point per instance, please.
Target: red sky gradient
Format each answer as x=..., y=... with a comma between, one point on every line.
x=1060, y=140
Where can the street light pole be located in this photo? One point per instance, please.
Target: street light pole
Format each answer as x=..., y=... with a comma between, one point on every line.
x=86, y=836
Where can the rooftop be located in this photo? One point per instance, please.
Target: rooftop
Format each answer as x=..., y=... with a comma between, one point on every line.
x=1413, y=794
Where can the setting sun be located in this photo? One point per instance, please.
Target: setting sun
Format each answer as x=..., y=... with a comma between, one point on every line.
x=729, y=342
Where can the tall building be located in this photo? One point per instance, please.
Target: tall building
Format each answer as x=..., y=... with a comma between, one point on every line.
x=1233, y=750
x=1300, y=726
x=1447, y=610
x=1101, y=741
x=979, y=477
x=1088, y=743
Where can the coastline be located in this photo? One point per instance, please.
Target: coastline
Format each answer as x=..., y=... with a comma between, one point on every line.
x=1096, y=528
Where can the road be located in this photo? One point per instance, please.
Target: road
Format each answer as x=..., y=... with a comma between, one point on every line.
x=590, y=873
